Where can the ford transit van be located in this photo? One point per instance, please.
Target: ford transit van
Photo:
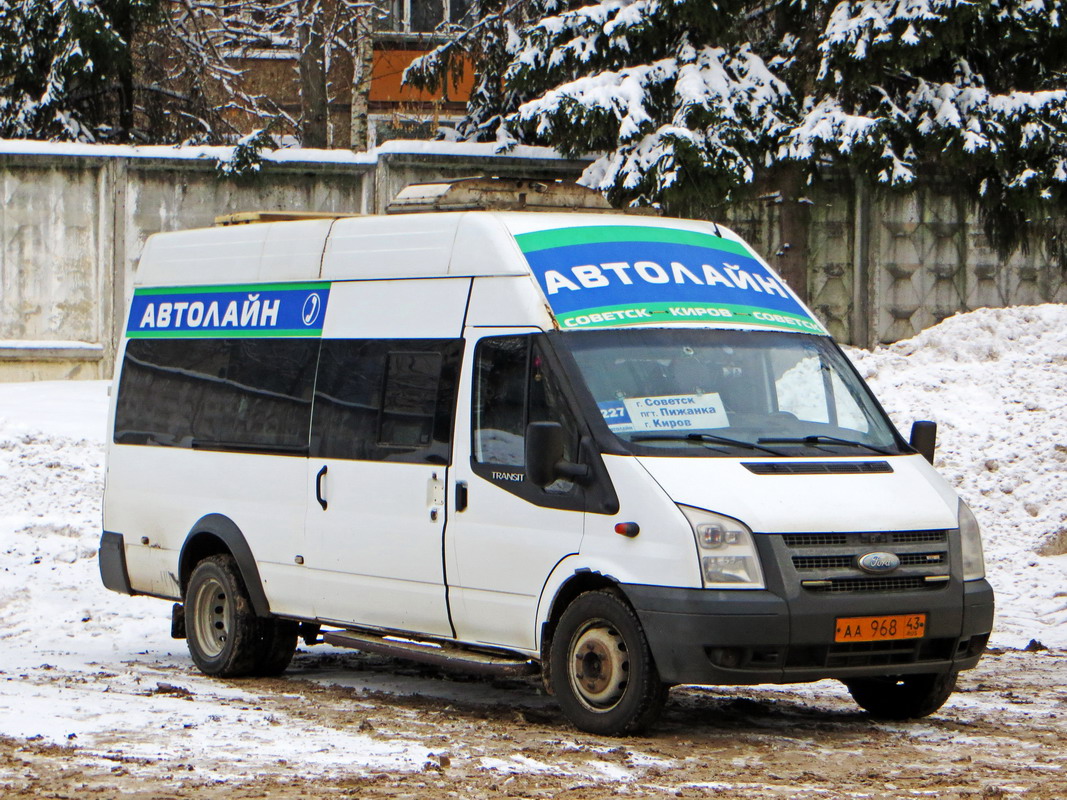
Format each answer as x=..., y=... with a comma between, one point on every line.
x=615, y=451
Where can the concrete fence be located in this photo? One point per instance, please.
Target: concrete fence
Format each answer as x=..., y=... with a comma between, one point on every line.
x=882, y=266
x=73, y=222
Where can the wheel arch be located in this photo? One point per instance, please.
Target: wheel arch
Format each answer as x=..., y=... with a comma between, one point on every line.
x=215, y=534
x=579, y=581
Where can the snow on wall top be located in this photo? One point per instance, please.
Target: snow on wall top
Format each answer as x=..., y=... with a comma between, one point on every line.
x=281, y=156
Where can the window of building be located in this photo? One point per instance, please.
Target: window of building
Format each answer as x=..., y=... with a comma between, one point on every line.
x=426, y=16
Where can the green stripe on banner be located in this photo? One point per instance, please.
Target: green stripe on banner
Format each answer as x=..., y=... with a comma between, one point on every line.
x=251, y=288
x=223, y=333
x=673, y=313
x=566, y=237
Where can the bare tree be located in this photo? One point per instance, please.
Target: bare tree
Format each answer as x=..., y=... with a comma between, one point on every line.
x=323, y=37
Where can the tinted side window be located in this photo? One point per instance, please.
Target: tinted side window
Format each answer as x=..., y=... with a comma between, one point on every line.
x=224, y=394
x=386, y=400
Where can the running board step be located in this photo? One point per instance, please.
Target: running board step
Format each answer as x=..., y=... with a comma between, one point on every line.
x=439, y=654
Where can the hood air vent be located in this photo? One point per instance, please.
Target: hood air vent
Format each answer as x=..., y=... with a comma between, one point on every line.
x=816, y=467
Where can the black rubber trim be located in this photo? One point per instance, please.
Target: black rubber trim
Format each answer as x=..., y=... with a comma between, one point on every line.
x=112, y=560
x=226, y=530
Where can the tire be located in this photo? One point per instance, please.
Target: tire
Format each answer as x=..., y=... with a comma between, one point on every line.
x=602, y=671
x=903, y=696
x=226, y=639
x=277, y=646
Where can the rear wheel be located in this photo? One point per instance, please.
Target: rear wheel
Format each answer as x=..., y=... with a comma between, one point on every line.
x=601, y=667
x=225, y=636
x=902, y=696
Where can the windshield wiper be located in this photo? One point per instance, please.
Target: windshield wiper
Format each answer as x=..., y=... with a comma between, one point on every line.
x=815, y=439
x=707, y=438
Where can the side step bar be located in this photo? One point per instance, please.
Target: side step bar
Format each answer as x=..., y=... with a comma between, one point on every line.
x=439, y=654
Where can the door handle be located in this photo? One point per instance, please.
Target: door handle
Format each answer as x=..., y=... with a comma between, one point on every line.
x=318, y=487
x=461, y=495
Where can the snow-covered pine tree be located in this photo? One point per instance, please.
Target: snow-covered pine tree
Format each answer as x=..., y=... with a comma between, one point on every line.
x=487, y=46
x=691, y=99
x=167, y=71
x=65, y=68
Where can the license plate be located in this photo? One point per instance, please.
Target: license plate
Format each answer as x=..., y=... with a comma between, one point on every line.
x=880, y=629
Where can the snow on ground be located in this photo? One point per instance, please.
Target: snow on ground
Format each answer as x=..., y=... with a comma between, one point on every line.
x=994, y=380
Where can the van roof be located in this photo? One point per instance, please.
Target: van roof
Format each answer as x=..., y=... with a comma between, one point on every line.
x=459, y=244
x=595, y=270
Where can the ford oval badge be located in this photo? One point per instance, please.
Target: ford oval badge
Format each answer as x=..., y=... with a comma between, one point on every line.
x=877, y=563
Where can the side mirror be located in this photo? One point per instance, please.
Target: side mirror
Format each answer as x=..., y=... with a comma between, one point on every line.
x=544, y=455
x=924, y=438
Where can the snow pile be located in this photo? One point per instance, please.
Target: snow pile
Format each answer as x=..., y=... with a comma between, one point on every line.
x=995, y=381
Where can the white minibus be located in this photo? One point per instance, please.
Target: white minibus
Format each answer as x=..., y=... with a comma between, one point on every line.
x=614, y=451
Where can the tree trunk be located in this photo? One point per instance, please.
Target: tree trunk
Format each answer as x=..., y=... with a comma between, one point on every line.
x=794, y=221
x=362, y=64
x=124, y=25
x=312, y=72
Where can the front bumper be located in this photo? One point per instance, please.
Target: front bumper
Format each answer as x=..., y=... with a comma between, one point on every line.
x=701, y=636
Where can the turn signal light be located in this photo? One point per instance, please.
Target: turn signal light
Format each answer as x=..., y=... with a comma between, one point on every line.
x=630, y=529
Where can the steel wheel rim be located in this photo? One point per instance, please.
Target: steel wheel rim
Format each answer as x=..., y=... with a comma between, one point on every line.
x=598, y=666
x=212, y=617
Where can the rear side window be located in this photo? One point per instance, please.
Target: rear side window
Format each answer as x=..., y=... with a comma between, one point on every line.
x=218, y=394
x=386, y=400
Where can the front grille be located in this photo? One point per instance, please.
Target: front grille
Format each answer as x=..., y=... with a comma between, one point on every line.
x=843, y=655
x=915, y=537
x=814, y=539
x=921, y=559
x=801, y=563
x=870, y=654
x=872, y=538
x=829, y=562
x=805, y=563
x=905, y=583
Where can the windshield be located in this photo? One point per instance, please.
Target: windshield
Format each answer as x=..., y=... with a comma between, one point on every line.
x=723, y=392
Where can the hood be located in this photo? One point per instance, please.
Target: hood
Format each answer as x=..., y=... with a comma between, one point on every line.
x=909, y=496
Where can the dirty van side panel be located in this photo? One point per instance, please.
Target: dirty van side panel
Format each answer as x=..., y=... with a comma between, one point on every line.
x=212, y=426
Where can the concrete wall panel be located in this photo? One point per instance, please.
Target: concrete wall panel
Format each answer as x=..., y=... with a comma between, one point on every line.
x=881, y=266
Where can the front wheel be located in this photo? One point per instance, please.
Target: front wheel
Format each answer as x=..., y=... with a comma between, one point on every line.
x=902, y=696
x=601, y=667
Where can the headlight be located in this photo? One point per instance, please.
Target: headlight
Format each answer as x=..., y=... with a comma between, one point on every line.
x=728, y=558
x=971, y=540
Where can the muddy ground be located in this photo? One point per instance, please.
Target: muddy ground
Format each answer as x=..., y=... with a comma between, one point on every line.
x=1002, y=735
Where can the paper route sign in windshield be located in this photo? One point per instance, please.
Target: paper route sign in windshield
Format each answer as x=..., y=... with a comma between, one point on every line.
x=611, y=275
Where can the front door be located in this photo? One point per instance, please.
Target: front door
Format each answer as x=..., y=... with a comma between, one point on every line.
x=506, y=535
